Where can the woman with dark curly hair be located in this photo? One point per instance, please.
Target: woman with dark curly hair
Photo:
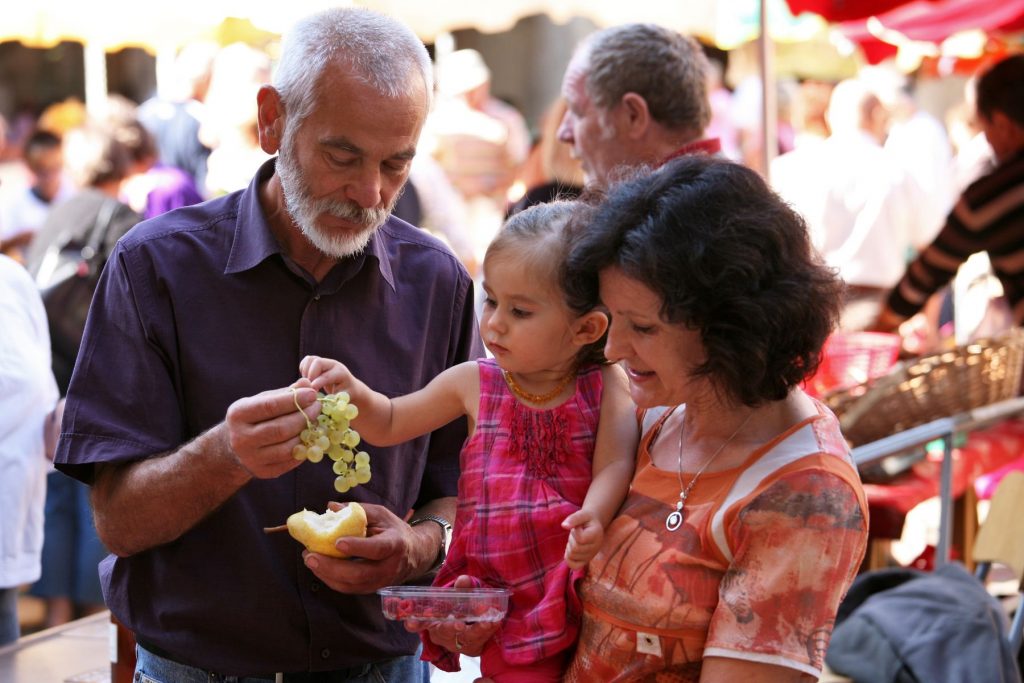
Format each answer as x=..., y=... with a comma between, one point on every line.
x=746, y=521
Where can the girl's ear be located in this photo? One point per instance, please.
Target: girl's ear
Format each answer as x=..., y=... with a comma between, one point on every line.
x=589, y=327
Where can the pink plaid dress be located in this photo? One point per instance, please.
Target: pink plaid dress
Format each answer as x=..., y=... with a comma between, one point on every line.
x=523, y=471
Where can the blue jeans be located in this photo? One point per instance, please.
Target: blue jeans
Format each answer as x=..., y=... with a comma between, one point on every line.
x=10, y=629
x=72, y=551
x=149, y=668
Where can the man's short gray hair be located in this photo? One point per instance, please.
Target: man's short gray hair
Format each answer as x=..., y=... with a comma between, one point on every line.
x=379, y=49
x=667, y=69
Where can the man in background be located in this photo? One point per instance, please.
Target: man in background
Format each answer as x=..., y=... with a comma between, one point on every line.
x=23, y=210
x=989, y=216
x=28, y=395
x=637, y=95
x=174, y=118
x=864, y=210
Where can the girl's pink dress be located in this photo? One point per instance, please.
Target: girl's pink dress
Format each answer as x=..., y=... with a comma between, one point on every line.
x=524, y=470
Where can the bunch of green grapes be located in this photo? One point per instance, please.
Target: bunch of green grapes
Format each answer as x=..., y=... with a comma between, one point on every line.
x=331, y=435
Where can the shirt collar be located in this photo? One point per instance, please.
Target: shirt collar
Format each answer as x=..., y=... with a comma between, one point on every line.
x=253, y=242
x=703, y=146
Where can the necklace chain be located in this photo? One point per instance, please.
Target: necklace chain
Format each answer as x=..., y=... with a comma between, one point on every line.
x=537, y=398
x=675, y=518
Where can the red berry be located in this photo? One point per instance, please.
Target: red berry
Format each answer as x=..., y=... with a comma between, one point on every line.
x=405, y=608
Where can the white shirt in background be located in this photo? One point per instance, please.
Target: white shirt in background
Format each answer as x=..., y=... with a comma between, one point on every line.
x=28, y=392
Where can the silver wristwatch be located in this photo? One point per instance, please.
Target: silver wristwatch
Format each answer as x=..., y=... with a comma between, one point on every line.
x=446, y=535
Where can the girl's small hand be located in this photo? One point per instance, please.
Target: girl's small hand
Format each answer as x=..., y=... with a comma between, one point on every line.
x=585, y=536
x=457, y=636
x=325, y=374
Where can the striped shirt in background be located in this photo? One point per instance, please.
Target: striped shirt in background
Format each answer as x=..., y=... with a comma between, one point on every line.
x=989, y=217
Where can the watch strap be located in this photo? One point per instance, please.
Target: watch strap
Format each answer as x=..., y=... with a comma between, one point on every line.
x=446, y=535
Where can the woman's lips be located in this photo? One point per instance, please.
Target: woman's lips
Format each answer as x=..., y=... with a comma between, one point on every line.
x=639, y=375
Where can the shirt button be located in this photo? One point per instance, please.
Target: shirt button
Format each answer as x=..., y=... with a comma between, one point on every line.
x=315, y=586
x=325, y=653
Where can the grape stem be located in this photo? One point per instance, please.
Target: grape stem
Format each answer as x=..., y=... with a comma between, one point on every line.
x=295, y=398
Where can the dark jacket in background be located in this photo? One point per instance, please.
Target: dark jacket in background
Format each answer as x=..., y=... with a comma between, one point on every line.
x=907, y=626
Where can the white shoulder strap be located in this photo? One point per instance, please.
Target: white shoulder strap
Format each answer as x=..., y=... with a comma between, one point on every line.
x=651, y=417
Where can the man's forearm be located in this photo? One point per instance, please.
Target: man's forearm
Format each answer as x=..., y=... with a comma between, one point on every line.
x=146, y=503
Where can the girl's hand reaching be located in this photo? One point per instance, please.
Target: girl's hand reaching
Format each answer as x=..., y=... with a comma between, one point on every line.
x=585, y=536
x=375, y=418
x=327, y=375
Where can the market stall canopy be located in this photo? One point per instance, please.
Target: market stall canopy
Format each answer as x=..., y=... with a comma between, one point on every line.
x=726, y=23
x=933, y=22
x=108, y=24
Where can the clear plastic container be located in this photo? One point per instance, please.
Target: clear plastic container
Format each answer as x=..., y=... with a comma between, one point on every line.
x=444, y=604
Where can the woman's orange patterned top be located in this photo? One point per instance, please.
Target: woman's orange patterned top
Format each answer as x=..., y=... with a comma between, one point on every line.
x=756, y=572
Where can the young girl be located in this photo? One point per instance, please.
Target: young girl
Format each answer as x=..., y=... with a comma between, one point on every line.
x=541, y=476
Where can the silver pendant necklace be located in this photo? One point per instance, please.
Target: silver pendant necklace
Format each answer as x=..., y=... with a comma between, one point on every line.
x=675, y=518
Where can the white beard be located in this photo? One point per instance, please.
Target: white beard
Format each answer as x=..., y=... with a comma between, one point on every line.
x=305, y=210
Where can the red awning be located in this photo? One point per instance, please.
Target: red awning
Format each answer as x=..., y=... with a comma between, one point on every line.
x=843, y=10
x=934, y=21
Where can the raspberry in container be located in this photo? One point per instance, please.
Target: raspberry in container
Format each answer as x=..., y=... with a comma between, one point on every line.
x=428, y=603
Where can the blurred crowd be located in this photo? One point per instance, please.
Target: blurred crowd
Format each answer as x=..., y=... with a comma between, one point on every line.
x=480, y=160
x=872, y=172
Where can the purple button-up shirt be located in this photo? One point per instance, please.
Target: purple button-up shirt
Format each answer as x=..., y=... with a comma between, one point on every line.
x=199, y=307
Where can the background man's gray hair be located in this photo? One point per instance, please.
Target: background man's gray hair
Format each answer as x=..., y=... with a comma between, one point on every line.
x=850, y=106
x=667, y=69
x=381, y=50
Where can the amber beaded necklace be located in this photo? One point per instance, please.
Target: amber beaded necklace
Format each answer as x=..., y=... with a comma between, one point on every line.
x=537, y=398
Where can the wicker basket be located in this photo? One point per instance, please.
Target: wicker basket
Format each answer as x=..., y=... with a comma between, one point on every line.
x=928, y=388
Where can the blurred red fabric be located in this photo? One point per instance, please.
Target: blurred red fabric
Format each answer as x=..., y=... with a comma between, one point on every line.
x=843, y=10
x=932, y=21
x=980, y=462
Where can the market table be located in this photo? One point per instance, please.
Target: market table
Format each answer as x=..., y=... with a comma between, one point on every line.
x=954, y=473
x=77, y=652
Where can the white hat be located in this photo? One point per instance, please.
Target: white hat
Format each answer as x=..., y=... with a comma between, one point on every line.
x=461, y=71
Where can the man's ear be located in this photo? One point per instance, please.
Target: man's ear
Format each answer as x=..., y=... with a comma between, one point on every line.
x=589, y=327
x=269, y=118
x=635, y=116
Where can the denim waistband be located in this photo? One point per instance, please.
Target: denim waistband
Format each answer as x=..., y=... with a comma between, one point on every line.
x=186, y=672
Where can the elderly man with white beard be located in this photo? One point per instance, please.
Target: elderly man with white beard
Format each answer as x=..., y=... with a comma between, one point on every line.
x=182, y=412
